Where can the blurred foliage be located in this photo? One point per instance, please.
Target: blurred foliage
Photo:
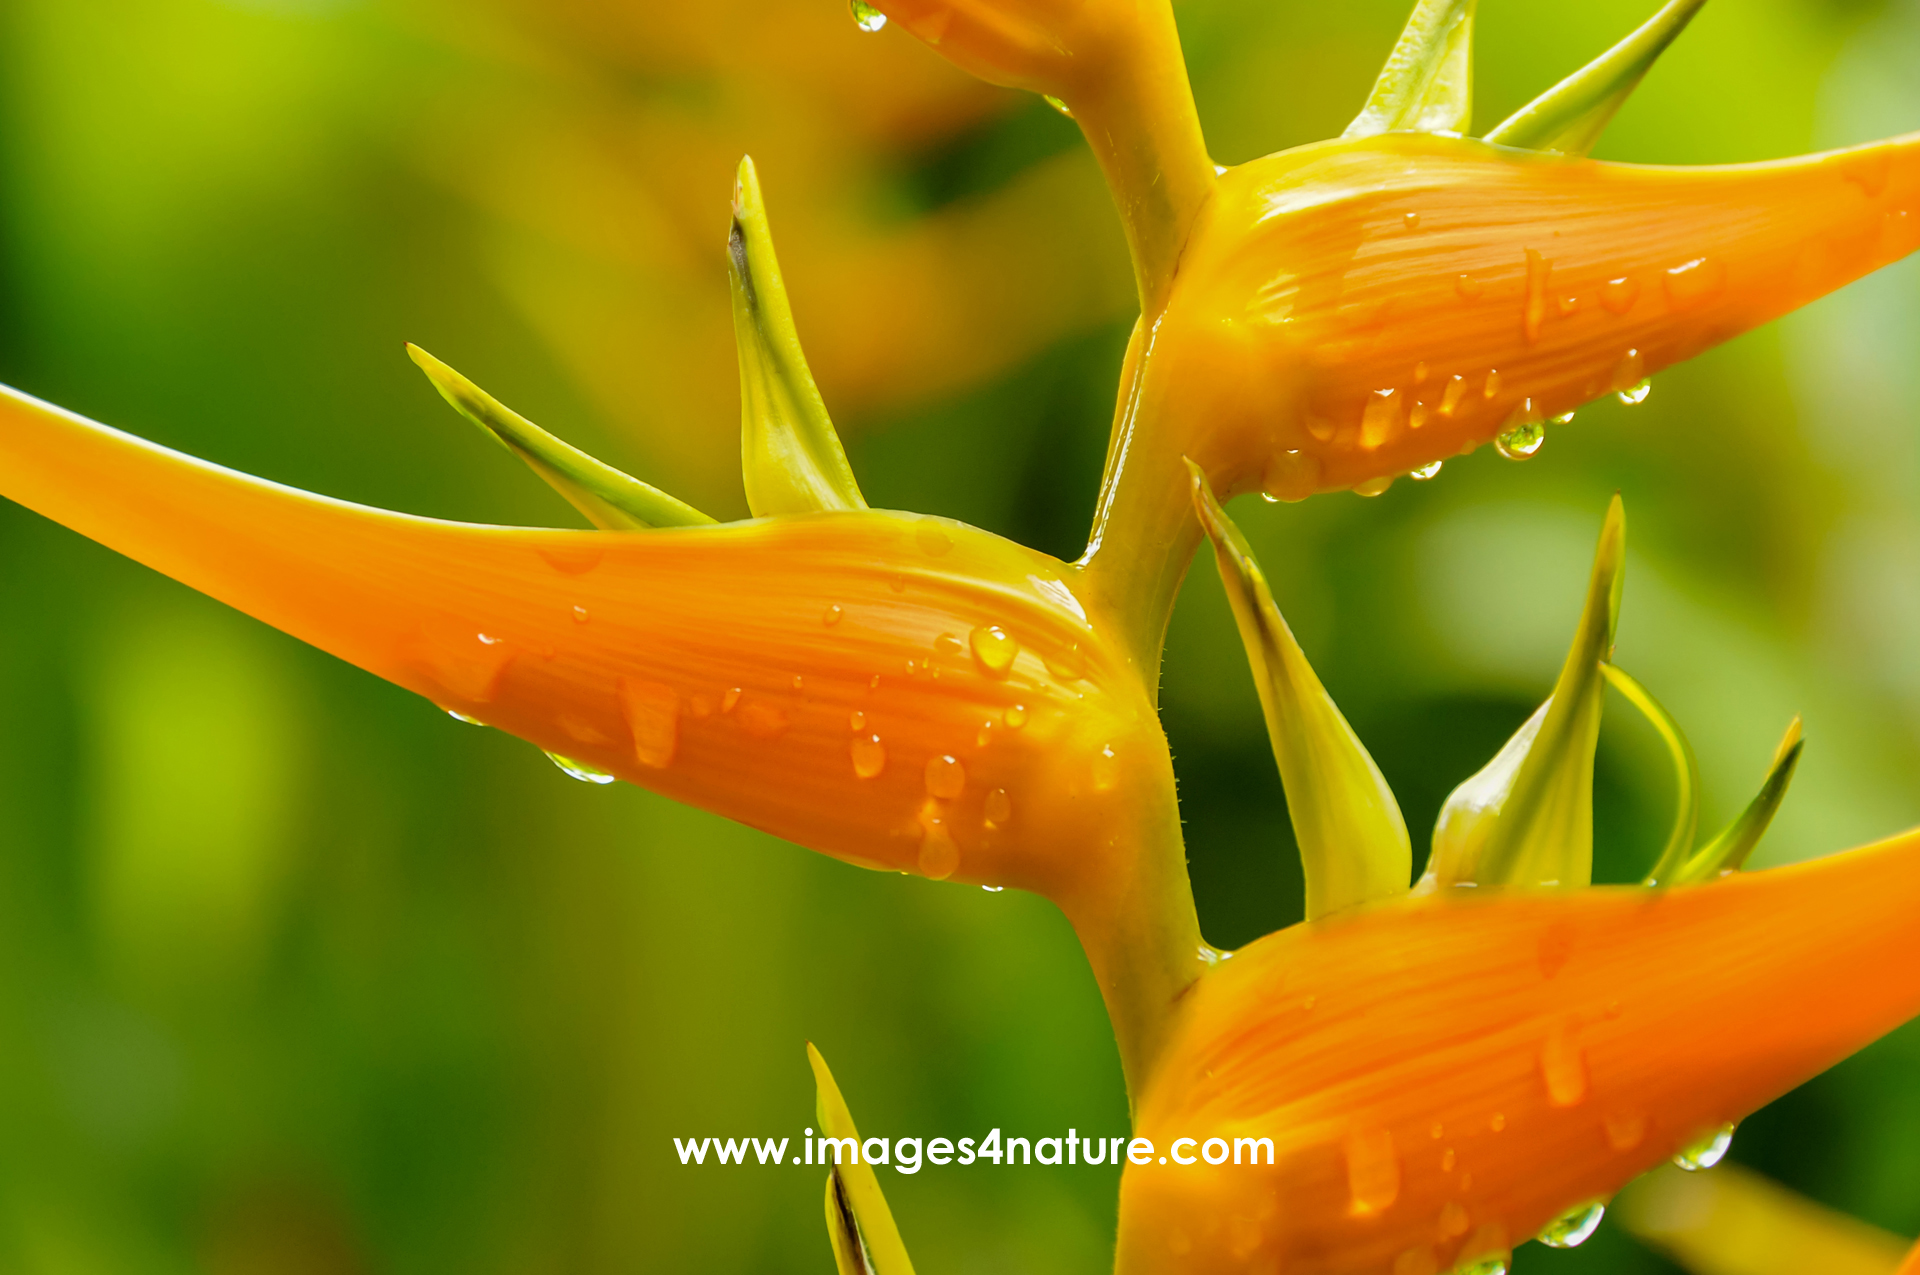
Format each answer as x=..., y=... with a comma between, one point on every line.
x=297, y=975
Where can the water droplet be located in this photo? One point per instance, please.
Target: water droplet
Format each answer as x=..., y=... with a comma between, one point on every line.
x=1524, y=433
x=1629, y=371
x=653, y=715
x=856, y=720
x=1498, y=1122
x=1106, y=770
x=1068, y=665
x=1563, y=1067
x=579, y=770
x=946, y=777
x=831, y=616
x=1016, y=716
x=897, y=582
x=1567, y=305
x=994, y=648
x=580, y=615
x=730, y=699
x=1380, y=419
x=1492, y=387
x=1493, y=1264
x=1619, y=294
x=1373, y=1172
x=1437, y=1131
x=932, y=538
x=1636, y=395
x=1065, y=110
x=939, y=856
x=459, y=716
x=1453, y=1220
x=1425, y=472
x=1448, y=1160
x=866, y=17
x=999, y=808
x=869, y=756
x=1625, y=1130
x=994, y=889
x=1419, y=373
x=1411, y=221
x=1416, y=415
x=1707, y=1152
x=1574, y=1227
x=984, y=736
x=873, y=683
x=1373, y=486
x=948, y=644
x=799, y=682
x=469, y=665
x=1565, y=418
x=762, y=721
x=1539, y=269
x=1695, y=282
x=1455, y=391
x=1468, y=287
x=1292, y=475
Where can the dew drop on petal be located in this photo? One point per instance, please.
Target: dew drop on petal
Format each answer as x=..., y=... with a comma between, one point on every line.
x=1425, y=472
x=946, y=777
x=1565, y=418
x=1106, y=770
x=730, y=700
x=932, y=538
x=1450, y=400
x=869, y=756
x=1068, y=665
x=1453, y=1220
x=1291, y=476
x=1061, y=107
x=1563, y=1067
x=459, y=716
x=1448, y=1160
x=1373, y=486
x=994, y=648
x=831, y=616
x=1574, y=1227
x=1419, y=373
x=939, y=856
x=994, y=889
x=1493, y=1264
x=856, y=720
x=1411, y=221
x=1636, y=395
x=1694, y=283
x=1381, y=419
x=866, y=17
x=579, y=770
x=999, y=808
x=1417, y=415
x=1492, y=387
x=1373, y=1172
x=1707, y=1152
x=1468, y=287
x=1619, y=294
x=1625, y=1130
x=1523, y=434
x=949, y=644
x=580, y=615
x=653, y=715
x=1498, y=1122
x=1016, y=716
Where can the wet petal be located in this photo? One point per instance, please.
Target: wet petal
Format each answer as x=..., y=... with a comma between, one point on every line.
x=1570, y=116
x=859, y=1222
x=1353, y=841
x=610, y=499
x=810, y=676
x=1732, y=1221
x=790, y=452
x=1427, y=83
x=1361, y=309
x=1527, y=818
x=1439, y=1072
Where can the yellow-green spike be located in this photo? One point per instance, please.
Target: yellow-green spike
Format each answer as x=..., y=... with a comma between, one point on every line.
x=1427, y=83
x=610, y=499
x=1527, y=818
x=1570, y=116
x=1729, y=851
x=1686, y=772
x=858, y=1193
x=791, y=458
x=1353, y=841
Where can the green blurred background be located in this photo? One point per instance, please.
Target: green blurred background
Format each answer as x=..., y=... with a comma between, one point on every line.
x=297, y=975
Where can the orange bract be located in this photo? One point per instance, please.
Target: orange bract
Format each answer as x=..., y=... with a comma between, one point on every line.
x=1377, y=304
x=1443, y=1077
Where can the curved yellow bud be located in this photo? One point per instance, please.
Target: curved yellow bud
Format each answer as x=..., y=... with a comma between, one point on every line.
x=1443, y=1077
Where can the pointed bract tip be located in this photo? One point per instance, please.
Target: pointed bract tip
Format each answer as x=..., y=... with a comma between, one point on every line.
x=1427, y=84
x=609, y=498
x=1352, y=838
x=1735, y=844
x=878, y=1238
x=1570, y=116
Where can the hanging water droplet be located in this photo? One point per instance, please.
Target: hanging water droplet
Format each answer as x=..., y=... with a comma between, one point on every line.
x=1565, y=418
x=1574, y=1227
x=1373, y=1172
x=1523, y=435
x=946, y=777
x=1373, y=486
x=1292, y=475
x=579, y=770
x=831, y=616
x=999, y=808
x=1625, y=1130
x=866, y=17
x=458, y=716
x=1067, y=111
x=1496, y=1264
x=1636, y=395
x=869, y=756
x=1015, y=716
x=1707, y=1152
x=994, y=648
x=994, y=889
x=1425, y=472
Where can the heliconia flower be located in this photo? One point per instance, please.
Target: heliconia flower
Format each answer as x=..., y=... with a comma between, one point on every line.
x=902, y=692
x=1732, y=1221
x=1426, y=1081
